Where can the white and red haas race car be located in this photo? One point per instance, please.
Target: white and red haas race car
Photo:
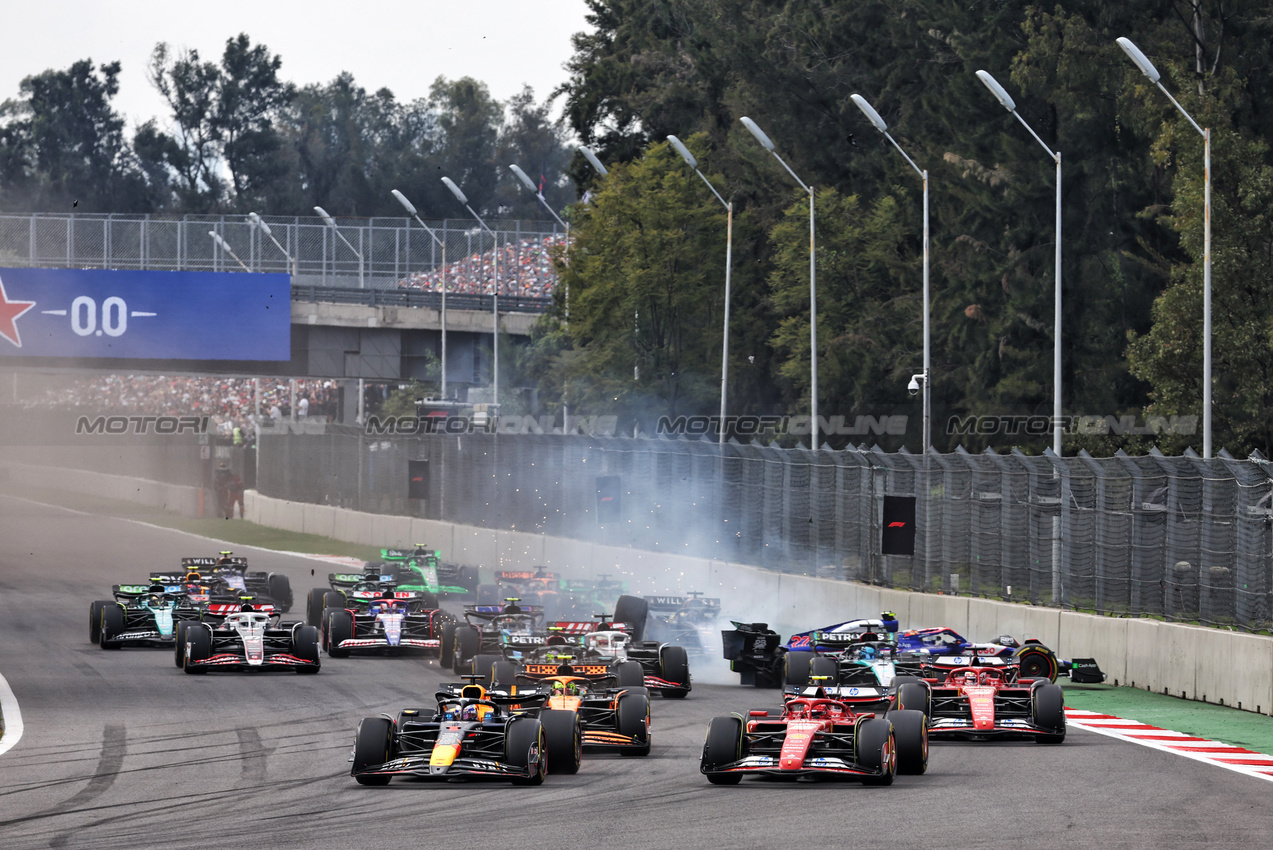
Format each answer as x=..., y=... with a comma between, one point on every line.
x=248, y=640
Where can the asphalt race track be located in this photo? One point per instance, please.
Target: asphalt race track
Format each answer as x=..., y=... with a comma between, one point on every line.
x=123, y=750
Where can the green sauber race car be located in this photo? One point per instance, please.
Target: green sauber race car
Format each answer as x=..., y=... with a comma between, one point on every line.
x=422, y=568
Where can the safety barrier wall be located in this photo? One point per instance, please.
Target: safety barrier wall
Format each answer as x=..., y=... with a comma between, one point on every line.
x=157, y=494
x=1188, y=661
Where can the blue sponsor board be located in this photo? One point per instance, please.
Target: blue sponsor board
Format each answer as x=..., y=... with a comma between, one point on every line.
x=152, y=315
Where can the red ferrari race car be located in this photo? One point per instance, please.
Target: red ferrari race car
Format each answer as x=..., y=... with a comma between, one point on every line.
x=982, y=698
x=816, y=736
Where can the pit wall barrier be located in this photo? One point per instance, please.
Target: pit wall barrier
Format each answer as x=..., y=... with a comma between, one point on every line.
x=1181, y=660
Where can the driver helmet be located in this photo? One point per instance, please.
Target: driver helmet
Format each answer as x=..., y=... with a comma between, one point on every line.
x=154, y=600
x=867, y=652
x=469, y=712
x=970, y=678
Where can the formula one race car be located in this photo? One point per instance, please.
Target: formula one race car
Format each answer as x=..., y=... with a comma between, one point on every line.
x=228, y=574
x=488, y=629
x=472, y=734
x=981, y=698
x=422, y=568
x=815, y=735
x=758, y=655
x=249, y=640
x=688, y=621
x=389, y=621
x=139, y=615
x=1034, y=659
x=538, y=587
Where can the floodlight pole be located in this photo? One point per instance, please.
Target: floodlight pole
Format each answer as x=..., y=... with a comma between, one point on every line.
x=460, y=196
x=411, y=211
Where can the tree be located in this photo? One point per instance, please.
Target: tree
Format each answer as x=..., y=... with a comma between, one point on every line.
x=536, y=144
x=469, y=122
x=61, y=142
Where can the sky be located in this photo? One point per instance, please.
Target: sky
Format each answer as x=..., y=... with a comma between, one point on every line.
x=403, y=46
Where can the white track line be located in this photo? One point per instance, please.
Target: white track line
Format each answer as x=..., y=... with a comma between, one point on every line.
x=12, y=717
x=1237, y=759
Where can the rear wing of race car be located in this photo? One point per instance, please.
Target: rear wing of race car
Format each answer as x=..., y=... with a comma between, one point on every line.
x=670, y=604
x=335, y=579
x=420, y=551
x=523, y=575
x=205, y=562
x=487, y=612
x=134, y=591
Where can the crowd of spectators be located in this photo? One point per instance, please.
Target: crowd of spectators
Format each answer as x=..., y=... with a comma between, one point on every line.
x=525, y=270
x=230, y=402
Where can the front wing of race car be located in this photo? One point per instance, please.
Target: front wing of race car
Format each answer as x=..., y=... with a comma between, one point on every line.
x=230, y=660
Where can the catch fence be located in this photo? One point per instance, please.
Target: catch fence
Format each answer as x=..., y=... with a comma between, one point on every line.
x=1179, y=537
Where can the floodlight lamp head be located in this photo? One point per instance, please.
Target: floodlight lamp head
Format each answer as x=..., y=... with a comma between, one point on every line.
x=764, y=140
x=869, y=112
x=680, y=148
x=402, y=199
x=1140, y=59
x=525, y=178
x=455, y=190
x=328, y=220
x=1001, y=95
x=593, y=161
x=256, y=220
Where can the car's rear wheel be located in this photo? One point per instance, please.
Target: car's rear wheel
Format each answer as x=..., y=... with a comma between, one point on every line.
x=179, y=648
x=913, y=696
x=315, y=602
x=112, y=625
x=632, y=714
x=446, y=653
x=875, y=749
x=503, y=673
x=484, y=665
x=724, y=745
x=795, y=669
x=523, y=742
x=563, y=740
x=634, y=611
x=1049, y=713
x=1036, y=662
x=674, y=665
x=630, y=674
x=280, y=587
x=198, y=647
x=468, y=641
x=305, y=646
x=338, y=626
x=826, y=668
x=95, y=619
x=373, y=746
x=910, y=735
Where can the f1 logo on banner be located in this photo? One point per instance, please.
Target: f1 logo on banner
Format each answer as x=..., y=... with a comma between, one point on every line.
x=150, y=315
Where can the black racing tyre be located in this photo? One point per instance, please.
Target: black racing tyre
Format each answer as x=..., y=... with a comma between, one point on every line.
x=645, y=692
x=179, y=648
x=1036, y=661
x=910, y=735
x=914, y=696
x=305, y=645
x=503, y=673
x=112, y=624
x=446, y=653
x=795, y=669
x=373, y=745
x=1049, y=713
x=468, y=642
x=563, y=740
x=95, y=619
x=280, y=591
x=674, y=666
x=488, y=594
x=338, y=625
x=484, y=665
x=874, y=748
x=630, y=674
x=315, y=602
x=724, y=745
x=198, y=647
x=524, y=739
x=821, y=665
x=634, y=611
x=632, y=715
x=898, y=681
